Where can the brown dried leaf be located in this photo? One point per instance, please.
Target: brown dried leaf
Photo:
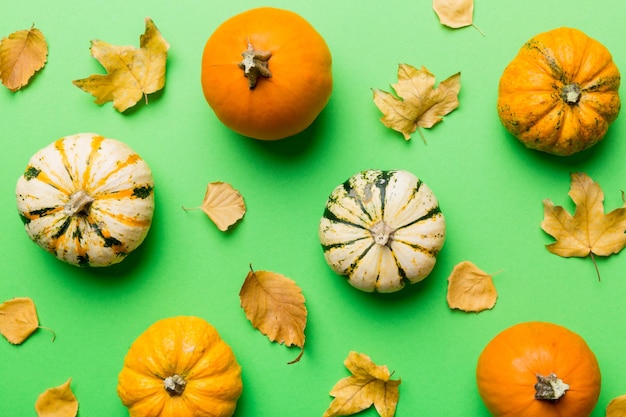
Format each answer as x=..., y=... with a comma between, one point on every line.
x=132, y=73
x=454, y=13
x=22, y=54
x=419, y=103
x=369, y=384
x=617, y=407
x=223, y=204
x=589, y=231
x=57, y=402
x=274, y=304
x=470, y=289
x=18, y=319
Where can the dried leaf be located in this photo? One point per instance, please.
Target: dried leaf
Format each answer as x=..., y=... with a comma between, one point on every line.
x=57, y=402
x=369, y=384
x=419, y=103
x=223, y=204
x=589, y=231
x=454, y=13
x=617, y=407
x=274, y=304
x=18, y=319
x=470, y=289
x=22, y=54
x=132, y=73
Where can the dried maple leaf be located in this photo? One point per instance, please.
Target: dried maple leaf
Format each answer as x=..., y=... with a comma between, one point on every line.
x=274, y=304
x=589, y=231
x=419, y=104
x=470, y=288
x=18, y=319
x=369, y=384
x=223, y=204
x=132, y=73
x=22, y=54
x=57, y=402
x=616, y=407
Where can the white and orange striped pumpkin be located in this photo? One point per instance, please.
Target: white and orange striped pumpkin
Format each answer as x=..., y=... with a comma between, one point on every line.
x=87, y=199
x=382, y=229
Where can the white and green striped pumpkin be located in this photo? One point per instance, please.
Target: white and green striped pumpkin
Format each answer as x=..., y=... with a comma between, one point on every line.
x=382, y=229
x=87, y=199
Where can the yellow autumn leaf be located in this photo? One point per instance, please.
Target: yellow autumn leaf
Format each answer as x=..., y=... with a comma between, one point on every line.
x=57, y=402
x=18, y=319
x=589, y=231
x=470, y=288
x=617, y=407
x=132, y=73
x=223, y=204
x=419, y=104
x=275, y=306
x=22, y=54
x=454, y=13
x=369, y=384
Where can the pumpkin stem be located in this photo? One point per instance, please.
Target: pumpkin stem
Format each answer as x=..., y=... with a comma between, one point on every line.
x=571, y=93
x=255, y=65
x=550, y=387
x=381, y=233
x=174, y=385
x=79, y=202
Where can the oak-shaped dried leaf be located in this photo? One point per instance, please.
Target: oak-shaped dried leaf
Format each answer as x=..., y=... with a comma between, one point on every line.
x=470, y=289
x=369, y=384
x=18, y=319
x=418, y=103
x=22, y=54
x=132, y=73
x=589, y=231
x=223, y=204
x=617, y=407
x=57, y=402
x=275, y=306
x=454, y=13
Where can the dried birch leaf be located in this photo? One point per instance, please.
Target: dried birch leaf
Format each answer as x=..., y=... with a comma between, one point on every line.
x=589, y=231
x=18, y=319
x=369, y=384
x=57, y=402
x=419, y=103
x=132, y=73
x=223, y=204
x=454, y=13
x=22, y=54
x=617, y=407
x=470, y=289
x=274, y=304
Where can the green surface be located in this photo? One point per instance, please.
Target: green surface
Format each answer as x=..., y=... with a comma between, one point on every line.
x=489, y=186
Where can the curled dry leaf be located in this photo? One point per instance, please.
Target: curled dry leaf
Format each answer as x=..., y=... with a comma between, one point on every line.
x=454, y=13
x=18, y=319
x=369, y=384
x=132, y=73
x=57, y=402
x=589, y=231
x=419, y=103
x=470, y=289
x=223, y=204
x=275, y=306
x=617, y=407
x=22, y=54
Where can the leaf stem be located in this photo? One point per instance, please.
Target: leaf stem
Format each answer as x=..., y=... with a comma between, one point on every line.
x=595, y=264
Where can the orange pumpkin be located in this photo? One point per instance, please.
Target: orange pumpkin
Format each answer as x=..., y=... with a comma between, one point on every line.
x=266, y=73
x=538, y=369
x=560, y=93
x=180, y=367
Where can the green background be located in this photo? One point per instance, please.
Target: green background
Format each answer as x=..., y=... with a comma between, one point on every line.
x=489, y=186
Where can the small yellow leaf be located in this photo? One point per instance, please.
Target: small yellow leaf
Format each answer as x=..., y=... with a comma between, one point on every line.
x=419, y=103
x=275, y=306
x=369, y=384
x=18, y=319
x=57, y=402
x=132, y=73
x=223, y=204
x=470, y=289
x=617, y=407
x=454, y=13
x=22, y=54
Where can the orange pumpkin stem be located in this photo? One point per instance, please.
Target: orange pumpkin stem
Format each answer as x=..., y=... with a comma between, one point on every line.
x=550, y=388
x=255, y=65
x=174, y=385
x=571, y=93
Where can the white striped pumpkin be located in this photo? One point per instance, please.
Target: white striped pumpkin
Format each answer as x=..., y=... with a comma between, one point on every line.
x=87, y=199
x=382, y=229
